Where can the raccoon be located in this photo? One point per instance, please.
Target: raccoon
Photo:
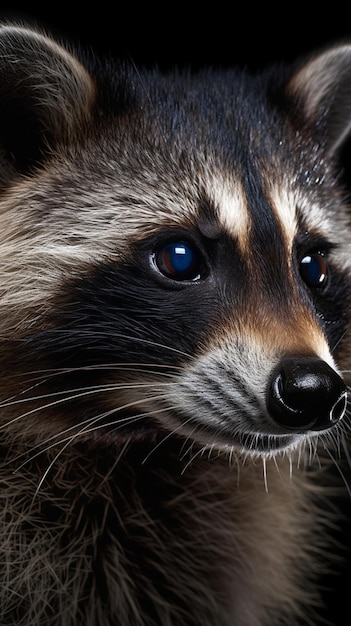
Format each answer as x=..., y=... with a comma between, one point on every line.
x=175, y=337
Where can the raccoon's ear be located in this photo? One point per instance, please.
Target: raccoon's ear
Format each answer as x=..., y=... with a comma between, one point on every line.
x=45, y=95
x=323, y=88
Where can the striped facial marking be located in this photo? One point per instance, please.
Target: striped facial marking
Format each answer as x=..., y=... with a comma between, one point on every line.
x=262, y=221
x=289, y=207
x=283, y=203
x=251, y=211
x=232, y=210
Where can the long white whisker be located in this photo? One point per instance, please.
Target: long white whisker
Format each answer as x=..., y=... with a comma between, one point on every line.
x=90, y=389
x=52, y=463
x=90, y=422
x=197, y=453
x=69, y=440
x=56, y=439
x=77, y=394
x=148, y=368
x=171, y=433
x=338, y=342
x=42, y=376
x=337, y=465
x=143, y=341
x=264, y=464
x=186, y=448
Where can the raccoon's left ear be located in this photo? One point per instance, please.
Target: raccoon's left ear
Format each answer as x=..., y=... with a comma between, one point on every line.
x=322, y=87
x=46, y=97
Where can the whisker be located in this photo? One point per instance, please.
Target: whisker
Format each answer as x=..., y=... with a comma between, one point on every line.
x=312, y=443
x=88, y=423
x=163, y=440
x=277, y=466
x=191, y=460
x=337, y=465
x=264, y=464
x=333, y=349
x=346, y=450
x=124, y=366
x=171, y=433
x=52, y=373
x=52, y=438
x=51, y=464
x=187, y=451
x=75, y=394
x=135, y=339
x=69, y=440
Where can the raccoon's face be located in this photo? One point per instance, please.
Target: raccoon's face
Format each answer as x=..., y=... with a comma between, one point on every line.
x=175, y=252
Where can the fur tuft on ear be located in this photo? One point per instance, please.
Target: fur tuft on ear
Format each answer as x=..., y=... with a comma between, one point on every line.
x=45, y=94
x=322, y=86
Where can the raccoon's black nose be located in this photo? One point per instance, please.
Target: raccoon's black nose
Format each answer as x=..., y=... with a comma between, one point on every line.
x=306, y=394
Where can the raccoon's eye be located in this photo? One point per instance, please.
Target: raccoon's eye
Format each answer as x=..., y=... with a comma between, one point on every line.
x=179, y=260
x=314, y=269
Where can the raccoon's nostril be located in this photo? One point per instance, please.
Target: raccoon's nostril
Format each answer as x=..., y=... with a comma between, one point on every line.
x=306, y=394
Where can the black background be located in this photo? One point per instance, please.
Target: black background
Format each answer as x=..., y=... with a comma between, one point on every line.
x=245, y=34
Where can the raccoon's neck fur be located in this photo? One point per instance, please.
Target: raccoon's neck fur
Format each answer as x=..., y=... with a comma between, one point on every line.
x=174, y=337
x=169, y=538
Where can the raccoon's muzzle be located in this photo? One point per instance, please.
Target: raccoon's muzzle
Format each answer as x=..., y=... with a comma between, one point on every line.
x=306, y=394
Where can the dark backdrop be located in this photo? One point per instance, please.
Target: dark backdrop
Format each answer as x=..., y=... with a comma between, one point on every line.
x=221, y=33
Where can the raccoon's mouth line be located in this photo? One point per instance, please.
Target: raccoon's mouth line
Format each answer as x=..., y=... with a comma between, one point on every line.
x=257, y=443
x=244, y=441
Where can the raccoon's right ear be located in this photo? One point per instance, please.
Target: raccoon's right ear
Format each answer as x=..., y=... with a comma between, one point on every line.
x=321, y=88
x=46, y=94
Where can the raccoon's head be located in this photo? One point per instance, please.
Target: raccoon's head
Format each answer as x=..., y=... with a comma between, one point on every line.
x=175, y=250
